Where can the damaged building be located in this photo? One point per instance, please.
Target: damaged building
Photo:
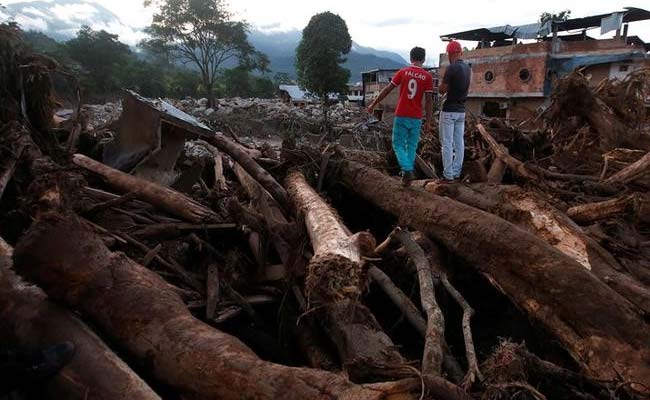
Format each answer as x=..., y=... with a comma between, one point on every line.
x=513, y=77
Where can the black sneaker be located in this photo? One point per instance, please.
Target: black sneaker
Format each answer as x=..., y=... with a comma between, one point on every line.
x=407, y=178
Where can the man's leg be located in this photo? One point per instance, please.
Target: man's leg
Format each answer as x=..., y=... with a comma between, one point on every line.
x=413, y=140
x=459, y=144
x=446, y=133
x=400, y=142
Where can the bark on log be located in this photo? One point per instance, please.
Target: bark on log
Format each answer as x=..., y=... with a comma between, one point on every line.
x=8, y=167
x=276, y=222
x=497, y=171
x=220, y=183
x=500, y=152
x=588, y=213
x=136, y=307
x=432, y=359
x=252, y=167
x=413, y=315
x=32, y=322
x=531, y=212
x=631, y=172
x=162, y=197
x=335, y=280
x=600, y=329
x=473, y=371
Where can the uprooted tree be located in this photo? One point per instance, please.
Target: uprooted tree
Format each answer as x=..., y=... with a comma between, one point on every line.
x=324, y=42
x=202, y=33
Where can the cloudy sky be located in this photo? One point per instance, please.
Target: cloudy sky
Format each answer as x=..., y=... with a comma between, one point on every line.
x=383, y=24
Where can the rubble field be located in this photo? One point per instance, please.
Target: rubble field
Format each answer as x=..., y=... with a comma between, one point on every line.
x=249, y=251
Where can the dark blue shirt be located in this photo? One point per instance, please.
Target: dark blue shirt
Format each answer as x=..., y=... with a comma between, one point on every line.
x=457, y=77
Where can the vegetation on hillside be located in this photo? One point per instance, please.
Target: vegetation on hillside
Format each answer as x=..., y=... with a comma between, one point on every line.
x=104, y=66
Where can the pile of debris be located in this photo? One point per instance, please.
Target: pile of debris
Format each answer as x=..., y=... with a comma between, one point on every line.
x=211, y=269
x=272, y=120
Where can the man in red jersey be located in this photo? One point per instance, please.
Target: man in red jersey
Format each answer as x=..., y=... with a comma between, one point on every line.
x=414, y=83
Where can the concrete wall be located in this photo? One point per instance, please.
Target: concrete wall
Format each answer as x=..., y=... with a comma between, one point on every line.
x=505, y=64
x=518, y=98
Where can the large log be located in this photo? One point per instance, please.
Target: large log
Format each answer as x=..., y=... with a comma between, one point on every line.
x=159, y=196
x=631, y=172
x=599, y=329
x=434, y=338
x=8, y=167
x=138, y=310
x=501, y=153
x=590, y=212
x=242, y=157
x=530, y=211
x=31, y=322
x=335, y=281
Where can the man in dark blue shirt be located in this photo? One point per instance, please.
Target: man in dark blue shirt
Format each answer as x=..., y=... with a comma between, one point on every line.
x=455, y=84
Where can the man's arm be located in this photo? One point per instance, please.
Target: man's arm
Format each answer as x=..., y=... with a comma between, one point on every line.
x=428, y=104
x=382, y=95
x=444, y=86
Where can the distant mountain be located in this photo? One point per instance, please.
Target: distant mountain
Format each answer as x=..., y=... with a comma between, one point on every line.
x=62, y=19
x=281, y=49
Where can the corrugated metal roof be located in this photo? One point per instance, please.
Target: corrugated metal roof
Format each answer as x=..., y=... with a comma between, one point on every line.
x=608, y=22
x=295, y=92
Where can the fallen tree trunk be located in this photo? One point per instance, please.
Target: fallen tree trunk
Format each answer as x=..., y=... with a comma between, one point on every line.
x=9, y=166
x=335, y=281
x=413, y=315
x=631, y=172
x=162, y=197
x=31, y=322
x=587, y=213
x=600, y=329
x=137, y=308
x=497, y=171
x=531, y=212
x=501, y=153
x=434, y=338
x=251, y=166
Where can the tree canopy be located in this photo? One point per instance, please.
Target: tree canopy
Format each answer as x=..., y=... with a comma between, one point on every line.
x=99, y=53
x=555, y=17
x=203, y=33
x=324, y=43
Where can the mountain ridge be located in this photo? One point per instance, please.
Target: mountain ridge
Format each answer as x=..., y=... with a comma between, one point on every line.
x=62, y=19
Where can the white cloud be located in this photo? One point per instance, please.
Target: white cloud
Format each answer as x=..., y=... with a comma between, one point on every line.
x=126, y=33
x=80, y=12
x=382, y=24
x=28, y=23
x=35, y=12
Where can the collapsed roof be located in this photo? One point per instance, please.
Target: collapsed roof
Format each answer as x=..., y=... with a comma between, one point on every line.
x=607, y=23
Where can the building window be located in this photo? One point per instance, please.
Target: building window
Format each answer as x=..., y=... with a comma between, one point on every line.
x=524, y=75
x=489, y=76
x=623, y=68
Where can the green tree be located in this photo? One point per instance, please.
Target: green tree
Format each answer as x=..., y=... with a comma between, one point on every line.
x=101, y=55
x=324, y=42
x=202, y=33
x=557, y=17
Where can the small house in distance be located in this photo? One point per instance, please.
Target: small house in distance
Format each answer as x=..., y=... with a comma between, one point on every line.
x=513, y=79
x=373, y=82
x=294, y=95
x=355, y=94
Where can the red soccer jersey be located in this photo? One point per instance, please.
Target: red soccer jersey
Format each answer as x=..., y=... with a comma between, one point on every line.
x=413, y=82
